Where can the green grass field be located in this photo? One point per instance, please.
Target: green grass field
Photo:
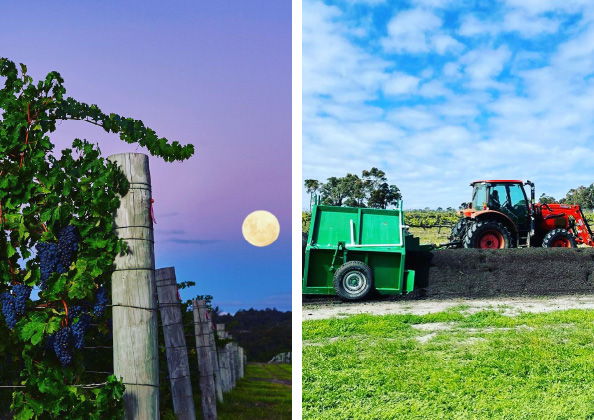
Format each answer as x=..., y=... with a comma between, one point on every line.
x=450, y=365
x=263, y=393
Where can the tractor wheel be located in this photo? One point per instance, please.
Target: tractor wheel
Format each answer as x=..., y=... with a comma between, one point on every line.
x=559, y=238
x=487, y=234
x=353, y=280
x=458, y=231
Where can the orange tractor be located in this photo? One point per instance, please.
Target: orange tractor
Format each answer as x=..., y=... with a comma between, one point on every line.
x=501, y=216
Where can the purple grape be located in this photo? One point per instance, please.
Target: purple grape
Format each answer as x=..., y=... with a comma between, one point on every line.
x=62, y=340
x=8, y=309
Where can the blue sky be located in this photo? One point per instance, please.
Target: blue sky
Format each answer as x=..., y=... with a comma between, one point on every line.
x=439, y=93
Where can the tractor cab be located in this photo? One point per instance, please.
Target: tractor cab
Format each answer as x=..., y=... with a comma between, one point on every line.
x=503, y=196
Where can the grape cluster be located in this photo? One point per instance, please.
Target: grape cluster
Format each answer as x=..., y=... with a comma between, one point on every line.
x=67, y=245
x=62, y=339
x=57, y=257
x=78, y=330
x=74, y=311
x=21, y=294
x=8, y=309
x=48, y=259
x=101, y=301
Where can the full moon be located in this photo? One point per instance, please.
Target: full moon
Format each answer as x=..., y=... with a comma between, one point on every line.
x=260, y=228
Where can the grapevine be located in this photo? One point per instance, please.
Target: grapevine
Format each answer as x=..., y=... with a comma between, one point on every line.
x=56, y=235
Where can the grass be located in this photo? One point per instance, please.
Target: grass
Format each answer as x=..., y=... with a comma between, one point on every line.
x=431, y=235
x=256, y=396
x=457, y=366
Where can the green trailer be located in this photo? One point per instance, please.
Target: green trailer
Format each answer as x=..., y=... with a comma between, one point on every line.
x=353, y=251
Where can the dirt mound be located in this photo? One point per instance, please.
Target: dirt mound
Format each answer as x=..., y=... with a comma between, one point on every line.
x=484, y=273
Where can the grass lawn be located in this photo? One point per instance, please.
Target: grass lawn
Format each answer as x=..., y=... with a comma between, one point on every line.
x=263, y=393
x=450, y=365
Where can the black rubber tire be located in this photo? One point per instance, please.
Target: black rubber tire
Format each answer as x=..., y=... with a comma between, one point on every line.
x=557, y=235
x=458, y=231
x=476, y=230
x=353, y=271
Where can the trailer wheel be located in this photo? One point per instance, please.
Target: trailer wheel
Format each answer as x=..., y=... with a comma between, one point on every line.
x=353, y=280
x=487, y=234
x=559, y=238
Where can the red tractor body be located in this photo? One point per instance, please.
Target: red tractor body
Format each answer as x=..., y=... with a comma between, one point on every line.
x=501, y=215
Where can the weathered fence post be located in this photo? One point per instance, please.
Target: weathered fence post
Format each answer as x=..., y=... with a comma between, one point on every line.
x=175, y=344
x=236, y=361
x=135, y=354
x=215, y=362
x=241, y=363
x=231, y=353
x=207, y=386
x=224, y=360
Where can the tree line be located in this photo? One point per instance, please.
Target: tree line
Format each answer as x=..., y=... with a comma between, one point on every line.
x=369, y=190
x=372, y=189
x=584, y=196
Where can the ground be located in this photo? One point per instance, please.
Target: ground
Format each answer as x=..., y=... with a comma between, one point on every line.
x=511, y=306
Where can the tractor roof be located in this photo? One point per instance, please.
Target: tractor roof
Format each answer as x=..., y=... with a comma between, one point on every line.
x=499, y=181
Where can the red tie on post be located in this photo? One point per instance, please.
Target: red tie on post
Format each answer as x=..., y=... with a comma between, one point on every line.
x=153, y=213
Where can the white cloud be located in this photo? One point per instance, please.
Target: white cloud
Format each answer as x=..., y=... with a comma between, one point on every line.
x=445, y=43
x=414, y=118
x=411, y=30
x=434, y=88
x=400, y=84
x=331, y=64
x=520, y=21
x=482, y=65
x=527, y=25
x=538, y=7
x=471, y=26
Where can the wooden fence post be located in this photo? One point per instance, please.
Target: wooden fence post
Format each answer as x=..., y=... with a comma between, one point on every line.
x=215, y=362
x=224, y=360
x=175, y=344
x=231, y=353
x=135, y=333
x=207, y=386
x=236, y=362
x=241, y=363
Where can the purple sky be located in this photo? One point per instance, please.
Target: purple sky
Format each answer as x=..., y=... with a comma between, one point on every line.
x=216, y=74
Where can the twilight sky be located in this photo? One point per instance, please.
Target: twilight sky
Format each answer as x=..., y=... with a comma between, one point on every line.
x=439, y=93
x=216, y=74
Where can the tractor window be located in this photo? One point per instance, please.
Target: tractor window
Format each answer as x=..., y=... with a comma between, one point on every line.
x=479, y=196
x=517, y=196
x=519, y=203
x=498, y=197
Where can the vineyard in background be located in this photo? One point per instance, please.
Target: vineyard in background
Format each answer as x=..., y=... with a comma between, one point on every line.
x=432, y=226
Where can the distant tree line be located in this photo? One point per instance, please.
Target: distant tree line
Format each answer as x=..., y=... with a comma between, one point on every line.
x=369, y=190
x=262, y=333
x=372, y=189
x=584, y=196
